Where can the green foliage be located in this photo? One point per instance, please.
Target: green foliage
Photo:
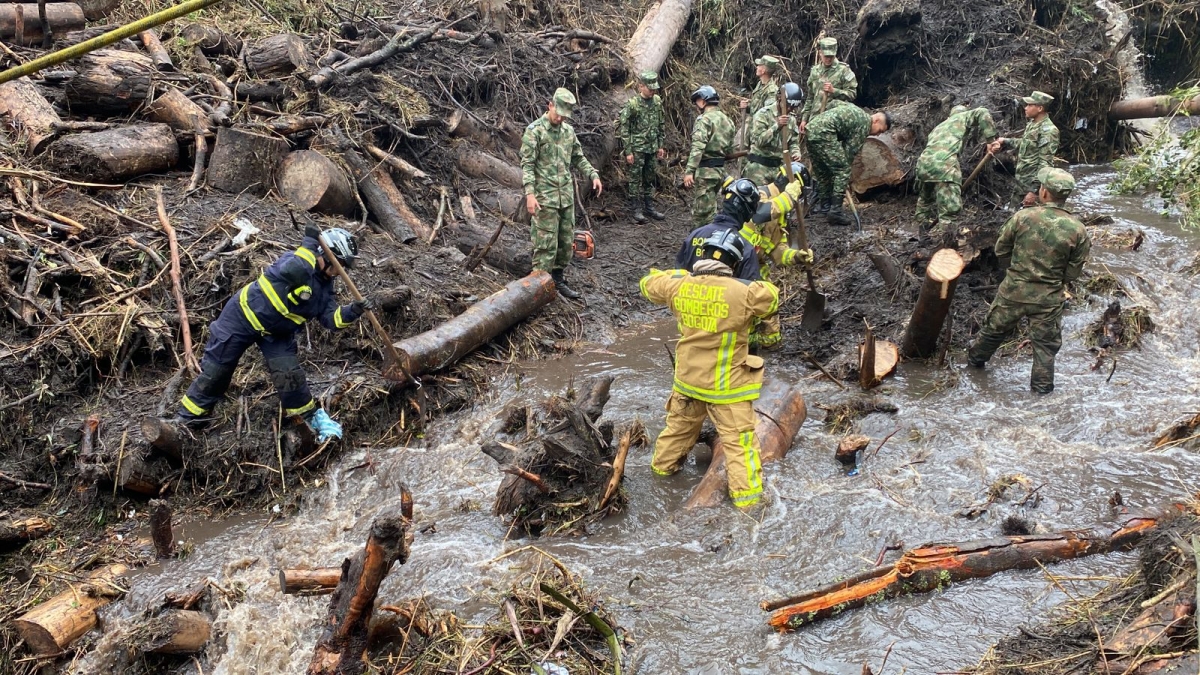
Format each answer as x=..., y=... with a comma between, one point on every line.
x=1169, y=166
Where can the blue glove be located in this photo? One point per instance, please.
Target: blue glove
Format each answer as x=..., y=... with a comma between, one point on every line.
x=323, y=425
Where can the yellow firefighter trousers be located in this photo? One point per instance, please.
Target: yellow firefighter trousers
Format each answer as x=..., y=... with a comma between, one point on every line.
x=735, y=425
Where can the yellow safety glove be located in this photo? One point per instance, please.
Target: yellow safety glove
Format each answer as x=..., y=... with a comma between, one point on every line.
x=795, y=189
x=804, y=256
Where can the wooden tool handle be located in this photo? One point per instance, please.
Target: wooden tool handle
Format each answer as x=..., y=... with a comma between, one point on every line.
x=388, y=347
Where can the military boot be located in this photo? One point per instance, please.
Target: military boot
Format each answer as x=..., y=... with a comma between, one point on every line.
x=838, y=216
x=563, y=289
x=822, y=205
x=635, y=205
x=651, y=211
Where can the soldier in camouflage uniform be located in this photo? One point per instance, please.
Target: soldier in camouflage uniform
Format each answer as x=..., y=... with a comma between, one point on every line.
x=834, y=139
x=549, y=148
x=766, y=138
x=712, y=140
x=767, y=89
x=1035, y=148
x=831, y=77
x=1047, y=247
x=643, y=132
x=939, y=176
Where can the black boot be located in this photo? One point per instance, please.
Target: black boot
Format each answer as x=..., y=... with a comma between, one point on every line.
x=651, y=211
x=822, y=205
x=563, y=289
x=636, y=206
x=838, y=216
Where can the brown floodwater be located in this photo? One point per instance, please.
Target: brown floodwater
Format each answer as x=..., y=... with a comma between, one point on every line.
x=686, y=585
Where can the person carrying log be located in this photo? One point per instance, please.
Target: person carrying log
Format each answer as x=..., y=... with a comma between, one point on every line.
x=1045, y=248
x=642, y=129
x=268, y=312
x=712, y=140
x=939, y=176
x=829, y=80
x=766, y=136
x=715, y=375
x=1035, y=148
x=834, y=138
x=549, y=148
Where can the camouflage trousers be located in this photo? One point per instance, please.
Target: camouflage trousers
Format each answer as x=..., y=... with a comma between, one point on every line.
x=938, y=201
x=641, y=174
x=1045, y=333
x=553, y=234
x=830, y=165
x=708, y=195
x=735, y=424
x=761, y=175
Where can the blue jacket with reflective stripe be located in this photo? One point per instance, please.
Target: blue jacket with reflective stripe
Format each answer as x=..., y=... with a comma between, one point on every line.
x=690, y=252
x=285, y=279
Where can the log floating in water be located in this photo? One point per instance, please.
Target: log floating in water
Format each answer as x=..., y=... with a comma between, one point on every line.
x=446, y=344
x=53, y=625
x=781, y=411
x=311, y=182
x=29, y=113
x=244, y=161
x=933, y=304
x=320, y=581
x=175, y=631
x=1154, y=106
x=117, y=154
x=110, y=81
x=20, y=23
x=876, y=360
x=932, y=566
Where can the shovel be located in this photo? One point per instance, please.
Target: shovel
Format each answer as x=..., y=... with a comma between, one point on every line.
x=814, y=302
x=854, y=210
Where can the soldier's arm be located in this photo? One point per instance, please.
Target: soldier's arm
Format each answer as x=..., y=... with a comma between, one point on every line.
x=1004, y=242
x=700, y=133
x=810, y=101
x=763, y=299
x=660, y=130
x=846, y=88
x=985, y=124
x=760, y=127
x=1047, y=146
x=793, y=138
x=529, y=143
x=624, y=132
x=1079, y=256
x=580, y=161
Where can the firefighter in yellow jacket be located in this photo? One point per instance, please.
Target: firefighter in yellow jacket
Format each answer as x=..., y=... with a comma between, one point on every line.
x=715, y=375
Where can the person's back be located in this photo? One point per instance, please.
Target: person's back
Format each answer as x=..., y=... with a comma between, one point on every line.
x=1048, y=245
x=692, y=249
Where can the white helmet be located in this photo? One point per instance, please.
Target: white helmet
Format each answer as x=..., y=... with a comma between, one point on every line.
x=342, y=243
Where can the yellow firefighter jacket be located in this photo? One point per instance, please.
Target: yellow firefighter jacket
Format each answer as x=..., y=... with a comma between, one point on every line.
x=767, y=230
x=714, y=312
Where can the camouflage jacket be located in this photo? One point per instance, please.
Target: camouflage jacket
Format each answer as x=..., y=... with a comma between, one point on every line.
x=765, y=136
x=1048, y=246
x=547, y=154
x=845, y=87
x=939, y=161
x=848, y=123
x=712, y=137
x=1035, y=149
x=762, y=95
x=641, y=126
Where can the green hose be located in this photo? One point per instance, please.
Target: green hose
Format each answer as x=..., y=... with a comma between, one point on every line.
x=116, y=35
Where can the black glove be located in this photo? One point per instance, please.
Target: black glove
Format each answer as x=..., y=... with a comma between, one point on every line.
x=313, y=231
x=367, y=303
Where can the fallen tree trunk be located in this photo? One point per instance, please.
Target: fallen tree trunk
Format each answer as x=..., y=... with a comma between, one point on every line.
x=341, y=647
x=244, y=161
x=254, y=91
x=320, y=581
x=175, y=631
x=117, y=154
x=933, y=304
x=53, y=625
x=781, y=411
x=17, y=531
x=512, y=257
x=504, y=136
x=158, y=53
x=278, y=56
x=478, y=164
x=933, y=566
x=28, y=113
x=311, y=182
x=164, y=436
x=384, y=200
x=21, y=23
x=651, y=43
x=446, y=344
x=884, y=161
x=177, y=111
x=110, y=81
x=399, y=164
x=1154, y=106
x=506, y=202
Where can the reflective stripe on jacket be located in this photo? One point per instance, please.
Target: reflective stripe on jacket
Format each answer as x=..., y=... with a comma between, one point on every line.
x=274, y=303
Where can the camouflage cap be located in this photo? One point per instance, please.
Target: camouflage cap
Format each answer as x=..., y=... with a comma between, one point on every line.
x=1038, y=98
x=828, y=46
x=1058, y=181
x=564, y=102
x=770, y=62
x=649, y=78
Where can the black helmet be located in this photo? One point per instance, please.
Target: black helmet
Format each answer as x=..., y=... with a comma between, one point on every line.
x=342, y=243
x=726, y=246
x=740, y=199
x=706, y=94
x=798, y=169
x=794, y=94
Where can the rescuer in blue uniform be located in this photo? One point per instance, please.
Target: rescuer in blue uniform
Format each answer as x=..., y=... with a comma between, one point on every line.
x=736, y=209
x=268, y=312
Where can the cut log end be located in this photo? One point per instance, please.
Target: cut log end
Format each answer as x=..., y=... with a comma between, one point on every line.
x=945, y=265
x=320, y=581
x=311, y=182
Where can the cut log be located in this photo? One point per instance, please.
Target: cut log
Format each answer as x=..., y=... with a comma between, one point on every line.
x=164, y=436
x=655, y=35
x=446, y=344
x=506, y=202
x=781, y=411
x=17, y=531
x=398, y=164
x=885, y=356
x=866, y=361
x=117, y=154
x=110, y=81
x=175, y=631
x=177, y=111
x=887, y=267
x=21, y=24
x=321, y=581
x=311, y=182
x=341, y=647
x=53, y=625
x=210, y=40
x=479, y=164
x=254, y=90
x=28, y=113
x=884, y=161
x=384, y=200
x=278, y=56
x=158, y=53
x=160, y=528
x=1155, y=106
x=244, y=161
x=933, y=304
x=848, y=448
x=933, y=566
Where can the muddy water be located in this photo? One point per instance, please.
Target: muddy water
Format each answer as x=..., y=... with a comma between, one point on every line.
x=687, y=585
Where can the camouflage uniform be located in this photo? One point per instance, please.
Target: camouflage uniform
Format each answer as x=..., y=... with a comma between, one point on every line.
x=1048, y=246
x=1035, y=150
x=763, y=93
x=838, y=74
x=548, y=152
x=712, y=139
x=642, y=130
x=766, y=151
x=834, y=139
x=939, y=176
